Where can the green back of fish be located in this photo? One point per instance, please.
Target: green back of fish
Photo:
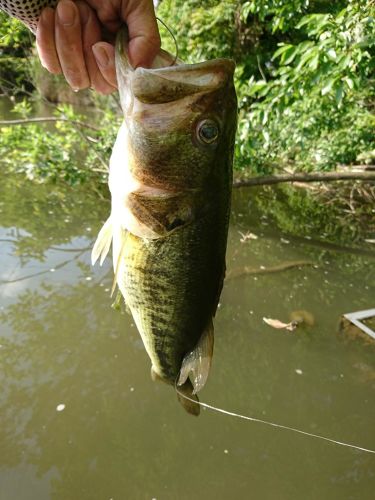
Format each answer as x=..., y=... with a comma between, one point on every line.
x=172, y=284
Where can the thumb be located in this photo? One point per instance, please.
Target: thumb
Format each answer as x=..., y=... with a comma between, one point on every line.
x=144, y=38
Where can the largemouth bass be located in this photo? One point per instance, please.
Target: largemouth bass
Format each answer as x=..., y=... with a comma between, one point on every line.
x=170, y=181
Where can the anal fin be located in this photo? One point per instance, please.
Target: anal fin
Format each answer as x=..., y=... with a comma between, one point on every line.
x=102, y=243
x=197, y=363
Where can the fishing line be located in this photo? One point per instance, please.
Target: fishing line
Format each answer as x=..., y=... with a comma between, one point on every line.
x=172, y=35
x=271, y=424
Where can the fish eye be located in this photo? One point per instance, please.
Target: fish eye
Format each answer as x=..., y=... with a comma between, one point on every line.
x=208, y=131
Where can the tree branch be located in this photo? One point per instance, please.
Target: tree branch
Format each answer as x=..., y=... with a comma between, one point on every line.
x=305, y=177
x=242, y=271
x=27, y=121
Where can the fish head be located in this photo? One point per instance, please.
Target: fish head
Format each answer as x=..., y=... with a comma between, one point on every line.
x=180, y=122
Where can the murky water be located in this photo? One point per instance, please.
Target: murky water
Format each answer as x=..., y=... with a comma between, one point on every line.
x=80, y=418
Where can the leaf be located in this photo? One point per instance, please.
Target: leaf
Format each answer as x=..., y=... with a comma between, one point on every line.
x=276, y=323
x=332, y=54
x=349, y=82
x=289, y=55
x=305, y=20
x=339, y=93
x=256, y=87
x=282, y=48
x=328, y=86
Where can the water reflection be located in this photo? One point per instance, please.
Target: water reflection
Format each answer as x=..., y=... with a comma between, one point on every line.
x=121, y=436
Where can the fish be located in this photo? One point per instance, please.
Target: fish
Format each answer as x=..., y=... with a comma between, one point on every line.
x=170, y=181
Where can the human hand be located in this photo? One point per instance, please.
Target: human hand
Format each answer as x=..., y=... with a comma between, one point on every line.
x=70, y=39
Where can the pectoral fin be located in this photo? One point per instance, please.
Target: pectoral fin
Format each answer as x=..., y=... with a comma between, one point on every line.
x=102, y=243
x=198, y=361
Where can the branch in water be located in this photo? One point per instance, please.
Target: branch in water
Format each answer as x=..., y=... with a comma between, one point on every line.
x=304, y=177
x=246, y=270
x=42, y=119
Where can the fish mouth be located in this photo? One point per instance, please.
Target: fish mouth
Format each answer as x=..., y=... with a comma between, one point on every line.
x=162, y=85
x=168, y=79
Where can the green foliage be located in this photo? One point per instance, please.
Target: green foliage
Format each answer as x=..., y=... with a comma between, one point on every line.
x=316, y=109
x=46, y=215
x=15, y=45
x=311, y=133
x=304, y=75
x=347, y=219
x=304, y=78
x=204, y=30
x=333, y=60
x=13, y=34
x=71, y=150
x=277, y=15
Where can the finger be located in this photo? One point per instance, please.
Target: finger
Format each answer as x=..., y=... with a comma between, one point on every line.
x=69, y=44
x=104, y=54
x=91, y=34
x=144, y=38
x=139, y=15
x=45, y=41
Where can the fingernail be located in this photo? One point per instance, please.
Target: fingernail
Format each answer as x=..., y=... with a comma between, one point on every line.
x=101, y=55
x=66, y=13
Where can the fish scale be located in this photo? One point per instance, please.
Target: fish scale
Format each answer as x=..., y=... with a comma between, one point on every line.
x=172, y=287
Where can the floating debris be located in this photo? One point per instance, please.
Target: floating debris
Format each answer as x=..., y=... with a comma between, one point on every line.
x=247, y=236
x=302, y=317
x=276, y=323
x=60, y=407
x=356, y=318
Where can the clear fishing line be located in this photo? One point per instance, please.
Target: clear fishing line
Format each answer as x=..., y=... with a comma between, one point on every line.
x=172, y=35
x=272, y=424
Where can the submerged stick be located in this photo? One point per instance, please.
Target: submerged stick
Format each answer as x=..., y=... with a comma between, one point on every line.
x=43, y=119
x=246, y=270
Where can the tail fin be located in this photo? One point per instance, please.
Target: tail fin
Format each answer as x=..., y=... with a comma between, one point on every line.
x=185, y=393
x=187, y=398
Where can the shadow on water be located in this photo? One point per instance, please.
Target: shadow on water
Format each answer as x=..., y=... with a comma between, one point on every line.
x=80, y=417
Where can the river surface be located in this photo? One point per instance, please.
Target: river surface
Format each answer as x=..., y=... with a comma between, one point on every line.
x=80, y=418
